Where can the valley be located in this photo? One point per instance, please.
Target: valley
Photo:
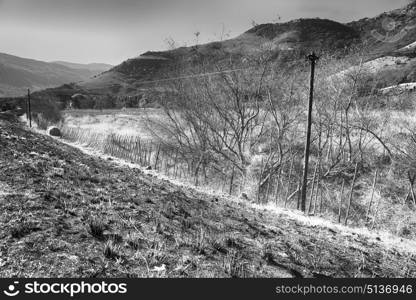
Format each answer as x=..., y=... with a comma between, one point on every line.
x=190, y=162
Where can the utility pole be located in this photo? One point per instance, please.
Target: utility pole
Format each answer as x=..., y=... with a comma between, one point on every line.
x=28, y=112
x=312, y=58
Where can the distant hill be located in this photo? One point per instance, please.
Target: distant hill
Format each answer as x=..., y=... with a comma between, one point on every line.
x=297, y=36
x=388, y=31
x=391, y=34
x=18, y=74
x=94, y=67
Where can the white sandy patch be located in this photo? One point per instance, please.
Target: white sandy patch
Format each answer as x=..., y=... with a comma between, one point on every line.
x=374, y=66
x=383, y=62
x=34, y=128
x=389, y=240
x=409, y=47
x=399, y=88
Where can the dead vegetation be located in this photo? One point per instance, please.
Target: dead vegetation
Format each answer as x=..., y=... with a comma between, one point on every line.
x=242, y=133
x=98, y=219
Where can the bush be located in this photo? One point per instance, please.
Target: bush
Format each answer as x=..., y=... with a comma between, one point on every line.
x=45, y=112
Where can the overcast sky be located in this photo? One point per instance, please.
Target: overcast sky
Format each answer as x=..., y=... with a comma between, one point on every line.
x=111, y=31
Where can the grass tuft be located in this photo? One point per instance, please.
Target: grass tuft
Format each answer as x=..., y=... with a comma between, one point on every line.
x=111, y=250
x=234, y=265
x=23, y=229
x=97, y=229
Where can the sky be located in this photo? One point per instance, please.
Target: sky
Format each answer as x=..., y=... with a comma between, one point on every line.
x=110, y=31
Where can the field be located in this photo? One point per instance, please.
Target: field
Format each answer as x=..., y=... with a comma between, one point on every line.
x=125, y=134
x=69, y=214
x=243, y=134
x=131, y=122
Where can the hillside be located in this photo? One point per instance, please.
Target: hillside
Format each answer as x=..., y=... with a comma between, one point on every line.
x=69, y=214
x=296, y=36
x=18, y=74
x=96, y=68
x=390, y=31
x=389, y=34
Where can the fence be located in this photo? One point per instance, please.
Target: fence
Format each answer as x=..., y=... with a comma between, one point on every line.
x=156, y=156
x=281, y=188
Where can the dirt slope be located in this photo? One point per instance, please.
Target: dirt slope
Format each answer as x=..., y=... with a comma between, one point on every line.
x=61, y=207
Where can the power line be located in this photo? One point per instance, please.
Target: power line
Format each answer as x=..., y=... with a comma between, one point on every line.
x=195, y=75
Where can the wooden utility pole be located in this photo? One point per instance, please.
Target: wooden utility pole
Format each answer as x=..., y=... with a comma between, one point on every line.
x=312, y=58
x=27, y=109
x=28, y=112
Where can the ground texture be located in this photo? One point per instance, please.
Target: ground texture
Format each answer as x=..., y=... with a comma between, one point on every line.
x=68, y=214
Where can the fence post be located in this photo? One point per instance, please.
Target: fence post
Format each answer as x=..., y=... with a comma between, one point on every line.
x=231, y=182
x=347, y=214
x=29, y=110
x=157, y=157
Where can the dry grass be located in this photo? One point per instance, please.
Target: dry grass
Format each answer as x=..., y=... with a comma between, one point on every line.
x=154, y=228
x=149, y=154
x=129, y=122
x=133, y=148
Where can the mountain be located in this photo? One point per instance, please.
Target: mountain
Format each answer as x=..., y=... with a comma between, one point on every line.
x=391, y=35
x=389, y=31
x=295, y=36
x=93, y=67
x=18, y=74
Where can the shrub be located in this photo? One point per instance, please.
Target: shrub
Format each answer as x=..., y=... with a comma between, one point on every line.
x=45, y=112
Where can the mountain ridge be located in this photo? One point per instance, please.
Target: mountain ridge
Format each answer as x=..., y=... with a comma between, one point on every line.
x=300, y=34
x=19, y=74
x=387, y=34
x=94, y=67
